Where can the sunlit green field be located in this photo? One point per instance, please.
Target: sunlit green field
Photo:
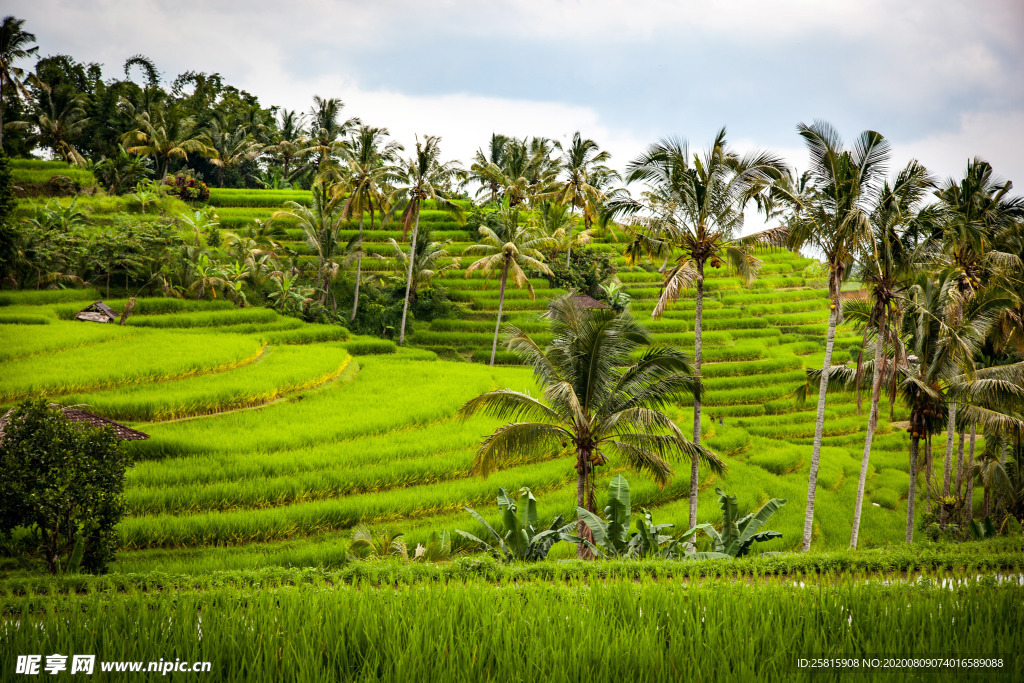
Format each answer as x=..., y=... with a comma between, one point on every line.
x=269, y=438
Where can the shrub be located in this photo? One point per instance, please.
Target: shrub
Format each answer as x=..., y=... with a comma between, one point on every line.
x=63, y=482
x=187, y=187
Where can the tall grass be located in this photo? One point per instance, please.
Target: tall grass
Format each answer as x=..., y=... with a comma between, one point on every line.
x=593, y=631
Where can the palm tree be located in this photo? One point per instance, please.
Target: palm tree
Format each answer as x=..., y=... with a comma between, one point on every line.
x=977, y=208
x=207, y=274
x=422, y=177
x=322, y=222
x=481, y=170
x=886, y=270
x=229, y=150
x=328, y=132
x=597, y=401
x=13, y=46
x=425, y=268
x=509, y=251
x=291, y=143
x=833, y=216
x=695, y=205
x=166, y=138
x=582, y=162
x=60, y=123
x=524, y=171
x=369, y=170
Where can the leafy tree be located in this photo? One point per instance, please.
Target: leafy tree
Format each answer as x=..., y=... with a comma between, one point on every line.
x=14, y=41
x=417, y=179
x=63, y=484
x=513, y=249
x=695, y=206
x=596, y=398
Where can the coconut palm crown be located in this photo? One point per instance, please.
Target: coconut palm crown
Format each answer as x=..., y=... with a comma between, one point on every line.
x=600, y=400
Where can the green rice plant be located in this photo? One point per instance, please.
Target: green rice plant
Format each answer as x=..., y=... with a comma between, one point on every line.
x=371, y=404
x=149, y=306
x=224, y=318
x=746, y=395
x=37, y=297
x=368, y=346
x=885, y=497
x=137, y=358
x=777, y=282
x=306, y=334
x=754, y=367
x=781, y=307
x=246, y=526
x=749, y=298
x=500, y=357
x=279, y=371
x=39, y=172
x=418, y=632
x=790, y=378
x=743, y=350
x=777, y=458
x=372, y=452
x=18, y=342
x=256, y=198
x=24, y=319
x=740, y=410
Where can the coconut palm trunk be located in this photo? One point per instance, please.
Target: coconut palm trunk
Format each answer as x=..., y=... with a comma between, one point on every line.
x=819, y=425
x=958, y=492
x=911, y=493
x=359, y=268
x=408, y=283
x=876, y=390
x=501, y=306
x=583, y=467
x=968, y=513
x=928, y=471
x=698, y=350
x=948, y=464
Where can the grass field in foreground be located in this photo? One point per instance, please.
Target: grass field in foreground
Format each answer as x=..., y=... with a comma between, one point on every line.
x=570, y=631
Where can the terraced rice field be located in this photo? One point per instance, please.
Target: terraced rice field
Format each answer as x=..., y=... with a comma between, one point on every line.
x=271, y=438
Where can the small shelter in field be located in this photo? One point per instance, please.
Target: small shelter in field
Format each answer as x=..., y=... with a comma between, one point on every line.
x=98, y=312
x=74, y=414
x=587, y=302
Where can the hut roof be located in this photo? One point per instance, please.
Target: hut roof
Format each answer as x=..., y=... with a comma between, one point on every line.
x=74, y=414
x=96, y=312
x=584, y=301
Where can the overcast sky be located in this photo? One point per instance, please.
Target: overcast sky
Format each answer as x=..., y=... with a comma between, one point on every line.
x=942, y=79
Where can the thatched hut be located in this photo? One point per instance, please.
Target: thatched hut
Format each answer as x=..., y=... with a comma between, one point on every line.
x=75, y=414
x=97, y=312
x=587, y=302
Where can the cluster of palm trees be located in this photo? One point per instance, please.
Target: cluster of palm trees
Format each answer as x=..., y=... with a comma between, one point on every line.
x=943, y=281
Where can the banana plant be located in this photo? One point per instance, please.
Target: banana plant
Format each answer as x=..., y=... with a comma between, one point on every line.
x=520, y=540
x=739, y=534
x=613, y=540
